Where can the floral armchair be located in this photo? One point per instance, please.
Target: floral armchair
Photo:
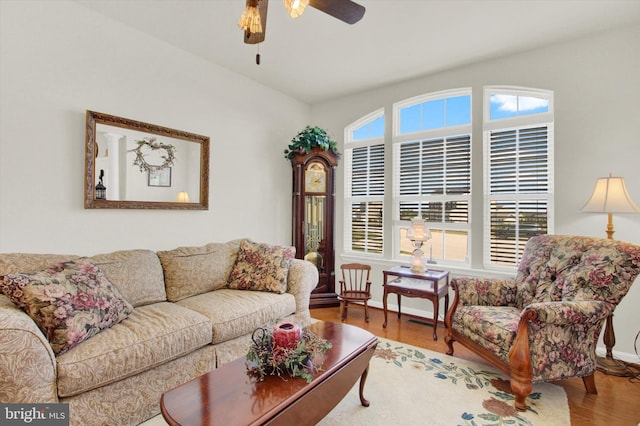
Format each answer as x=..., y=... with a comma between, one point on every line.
x=544, y=324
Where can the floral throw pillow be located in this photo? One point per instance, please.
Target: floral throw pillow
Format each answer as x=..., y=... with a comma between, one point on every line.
x=261, y=267
x=70, y=301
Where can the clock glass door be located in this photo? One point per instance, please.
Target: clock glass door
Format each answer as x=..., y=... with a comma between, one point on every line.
x=314, y=230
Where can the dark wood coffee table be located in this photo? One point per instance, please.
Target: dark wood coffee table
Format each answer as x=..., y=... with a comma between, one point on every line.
x=230, y=396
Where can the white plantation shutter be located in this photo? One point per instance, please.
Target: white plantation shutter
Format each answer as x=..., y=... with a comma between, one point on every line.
x=364, y=195
x=434, y=179
x=367, y=171
x=519, y=188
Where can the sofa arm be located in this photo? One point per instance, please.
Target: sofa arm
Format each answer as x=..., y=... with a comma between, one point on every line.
x=302, y=279
x=570, y=312
x=558, y=339
x=27, y=363
x=484, y=291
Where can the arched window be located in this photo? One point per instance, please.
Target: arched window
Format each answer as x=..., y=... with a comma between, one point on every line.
x=364, y=184
x=430, y=168
x=432, y=172
x=518, y=174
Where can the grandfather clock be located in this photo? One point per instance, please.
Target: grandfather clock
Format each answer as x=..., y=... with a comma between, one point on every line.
x=313, y=218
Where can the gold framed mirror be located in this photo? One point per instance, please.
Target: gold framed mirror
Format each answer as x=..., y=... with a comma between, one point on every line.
x=134, y=165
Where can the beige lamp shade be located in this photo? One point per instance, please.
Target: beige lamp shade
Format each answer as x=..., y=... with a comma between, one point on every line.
x=418, y=230
x=183, y=197
x=610, y=196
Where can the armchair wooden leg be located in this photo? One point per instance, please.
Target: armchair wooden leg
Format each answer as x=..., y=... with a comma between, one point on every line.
x=590, y=384
x=520, y=361
x=366, y=311
x=521, y=404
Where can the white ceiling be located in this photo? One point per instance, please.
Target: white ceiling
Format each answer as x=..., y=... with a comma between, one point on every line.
x=316, y=57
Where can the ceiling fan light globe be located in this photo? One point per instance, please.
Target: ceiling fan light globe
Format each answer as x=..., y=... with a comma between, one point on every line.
x=250, y=20
x=295, y=7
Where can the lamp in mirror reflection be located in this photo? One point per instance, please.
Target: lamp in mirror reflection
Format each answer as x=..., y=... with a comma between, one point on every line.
x=183, y=197
x=101, y=190
x=418, y=234
x=610, y=196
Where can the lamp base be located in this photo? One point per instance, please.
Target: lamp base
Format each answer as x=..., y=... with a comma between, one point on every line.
x=418, y=269
x=612, y=367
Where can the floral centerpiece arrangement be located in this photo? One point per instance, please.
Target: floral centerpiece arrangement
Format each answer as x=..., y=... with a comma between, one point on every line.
x=308, y=138
x=286, y=350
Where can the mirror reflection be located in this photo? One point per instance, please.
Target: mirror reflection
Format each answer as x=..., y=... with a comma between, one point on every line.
x=131, y=164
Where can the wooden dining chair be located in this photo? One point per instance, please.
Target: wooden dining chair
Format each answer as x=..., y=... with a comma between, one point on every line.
x=355, y=288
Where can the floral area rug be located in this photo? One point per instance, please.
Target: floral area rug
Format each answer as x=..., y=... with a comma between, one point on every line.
x=410, y=385
x=407, y=385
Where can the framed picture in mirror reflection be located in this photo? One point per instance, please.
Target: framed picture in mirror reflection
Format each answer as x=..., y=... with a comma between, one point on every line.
x=160, y=176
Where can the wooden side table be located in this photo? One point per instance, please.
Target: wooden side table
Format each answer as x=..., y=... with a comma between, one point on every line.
x=405, y=282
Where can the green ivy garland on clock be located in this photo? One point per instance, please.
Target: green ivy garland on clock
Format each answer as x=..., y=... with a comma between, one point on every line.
x=154, y=146
x=308, y=138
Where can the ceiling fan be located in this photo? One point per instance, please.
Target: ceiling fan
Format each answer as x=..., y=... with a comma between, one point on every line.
x=254, y=17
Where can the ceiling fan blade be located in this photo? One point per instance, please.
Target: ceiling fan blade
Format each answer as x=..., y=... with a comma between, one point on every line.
x=344, y=10
x=255, y=38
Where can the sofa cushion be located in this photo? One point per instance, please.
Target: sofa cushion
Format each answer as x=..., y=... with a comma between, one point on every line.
x=233, y=313
x=261, y=267
x=492, y=327
x=151, y=336
x=189, y=271
x=70, y=301
x=16, y=263
x=136, y=273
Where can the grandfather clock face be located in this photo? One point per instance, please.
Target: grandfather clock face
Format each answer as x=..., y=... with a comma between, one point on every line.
x=315, y=178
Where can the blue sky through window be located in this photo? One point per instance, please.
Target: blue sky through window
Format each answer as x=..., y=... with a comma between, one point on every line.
x=436, y=114
x=506, y=106
x=372, y=129
x=458, y=110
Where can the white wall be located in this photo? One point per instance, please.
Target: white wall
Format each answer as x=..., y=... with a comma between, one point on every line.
x=596, y=82
x=59, y=59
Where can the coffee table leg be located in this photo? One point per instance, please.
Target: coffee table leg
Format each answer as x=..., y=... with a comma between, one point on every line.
x=363, y=379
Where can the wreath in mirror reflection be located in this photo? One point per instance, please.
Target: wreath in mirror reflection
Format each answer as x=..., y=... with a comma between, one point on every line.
x=154, y=146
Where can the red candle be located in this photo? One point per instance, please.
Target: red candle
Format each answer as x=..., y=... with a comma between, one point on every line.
x=286, y=335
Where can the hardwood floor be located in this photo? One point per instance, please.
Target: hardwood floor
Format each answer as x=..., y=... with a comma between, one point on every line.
x=617, y=402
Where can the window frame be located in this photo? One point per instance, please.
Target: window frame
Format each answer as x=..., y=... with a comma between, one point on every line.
x=349, y=199
x=517, y=123
x=445, y=132
x=478, y=226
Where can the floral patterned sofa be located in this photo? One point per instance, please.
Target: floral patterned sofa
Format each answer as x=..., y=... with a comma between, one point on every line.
x=544, y=324
x=110, y=333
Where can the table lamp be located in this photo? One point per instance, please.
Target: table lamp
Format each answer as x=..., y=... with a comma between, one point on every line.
x=418, y=234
